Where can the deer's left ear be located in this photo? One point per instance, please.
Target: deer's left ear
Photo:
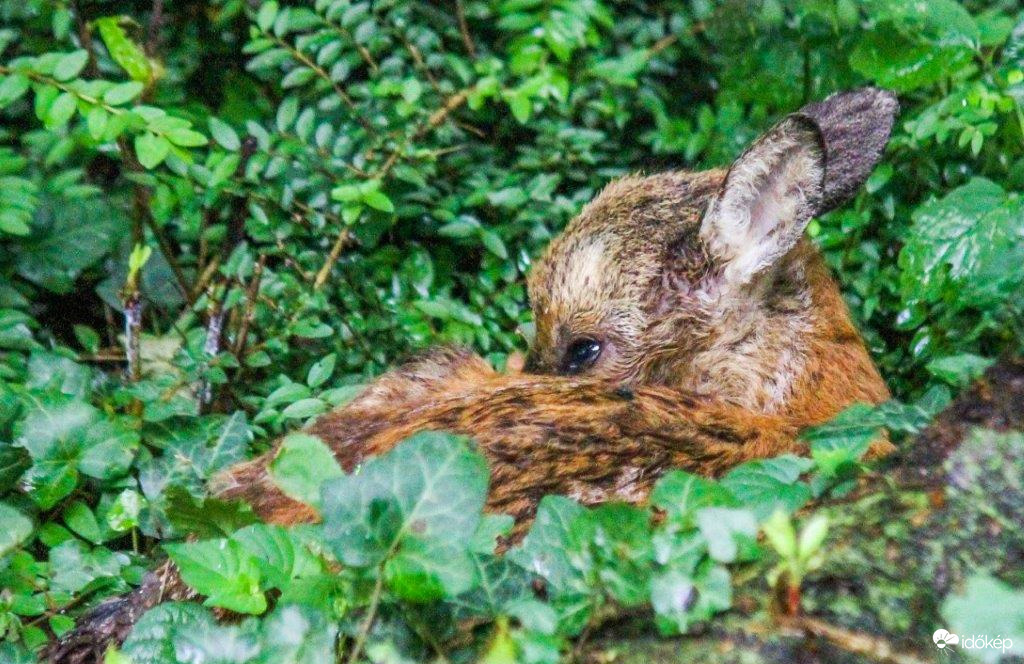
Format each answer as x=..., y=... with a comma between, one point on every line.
x=769, y=195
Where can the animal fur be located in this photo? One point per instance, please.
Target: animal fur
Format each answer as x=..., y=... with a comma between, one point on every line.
x=722, y=335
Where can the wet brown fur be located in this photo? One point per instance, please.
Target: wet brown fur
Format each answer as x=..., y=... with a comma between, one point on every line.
x=706, y=365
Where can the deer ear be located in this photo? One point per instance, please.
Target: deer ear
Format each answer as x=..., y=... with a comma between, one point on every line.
x=855, y=126
x=769, y=195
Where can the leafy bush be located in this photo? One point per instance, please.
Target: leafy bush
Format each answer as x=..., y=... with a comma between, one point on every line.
x=221, y=217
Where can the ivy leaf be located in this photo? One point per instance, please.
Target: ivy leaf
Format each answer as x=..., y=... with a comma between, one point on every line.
x=428, y=569
x=151, y=640
x=280, y=555
x=298, y=635
x=680, y=494
x=302, y=464
x=431, y=486
x=15, y=528
x=765, y=485
x=206, y=517
x=222, y=570
x=544, y=549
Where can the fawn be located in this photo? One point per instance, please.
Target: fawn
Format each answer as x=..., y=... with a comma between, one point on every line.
x=682, y=321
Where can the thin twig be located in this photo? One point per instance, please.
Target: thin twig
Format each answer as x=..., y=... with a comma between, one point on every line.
x=251, y=296
x=859, y=643
x=371, y=615
x=344, y=237
x=467, y=39
x=85, y=40
x=156, y=20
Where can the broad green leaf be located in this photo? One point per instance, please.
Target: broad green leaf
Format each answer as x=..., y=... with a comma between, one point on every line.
x=279, y=554
x=15, y=528
x=731, y=533
x=970, y=238
x=681, y=494
x=75, y=565
x=769, y=484
x=206, y=517
x=222, y=570
x=428, y=569
x=543, y=551
x=431, y=486
x=298, y=635
x=151, y=640
x=301, y=466
x=987, y=606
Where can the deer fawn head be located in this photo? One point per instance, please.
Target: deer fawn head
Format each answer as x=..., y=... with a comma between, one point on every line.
x=702, y=280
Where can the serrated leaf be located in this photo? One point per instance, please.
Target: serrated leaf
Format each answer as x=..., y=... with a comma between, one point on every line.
x=280, y=555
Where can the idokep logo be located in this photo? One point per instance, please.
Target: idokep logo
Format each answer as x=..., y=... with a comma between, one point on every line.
x=944, y=639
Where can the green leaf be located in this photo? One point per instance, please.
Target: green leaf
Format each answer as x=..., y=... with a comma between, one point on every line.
x=206, y=517
x=151, y=640
x=267, y=15
x=151, y=149
x=81, y=519
x=543, y=550
x=71, y=65
x=123, y=50
x=123, y=93
x=959, y=370
x=321, y=371
x=186, y=138
x=770, y=484
x=731, y=533
x=298, y=635
x=96, y=122
x=280, y=555
x=431, y=486
x=989, y=607
x=842, y=441
x=681, y=494
x=424, y=570
x=222, y=570
x=61, y=110
x=304, y=408
x=224, y=134
x=12, y=88
x=301, y=466
x=378, y=200
x=970, y=239
x=15, y=528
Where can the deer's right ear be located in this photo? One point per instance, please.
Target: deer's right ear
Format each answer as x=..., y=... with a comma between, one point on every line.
x=769, y=195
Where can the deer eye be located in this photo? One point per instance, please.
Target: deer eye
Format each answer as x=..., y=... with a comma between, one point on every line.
x=581, y=355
